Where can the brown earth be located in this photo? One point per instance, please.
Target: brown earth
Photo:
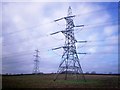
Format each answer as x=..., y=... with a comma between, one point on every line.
x=46, y=81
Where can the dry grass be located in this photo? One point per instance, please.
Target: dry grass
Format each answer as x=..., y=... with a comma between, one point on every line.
x=46, y=81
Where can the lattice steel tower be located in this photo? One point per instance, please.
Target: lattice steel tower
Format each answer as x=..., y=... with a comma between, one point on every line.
x=36, y=63
x=70, y=61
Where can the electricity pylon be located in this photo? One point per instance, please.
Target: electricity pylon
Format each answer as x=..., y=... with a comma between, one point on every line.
x=36, y=63
x=70, y=61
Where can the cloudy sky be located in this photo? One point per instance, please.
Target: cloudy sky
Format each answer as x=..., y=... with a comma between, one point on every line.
x=26, y=26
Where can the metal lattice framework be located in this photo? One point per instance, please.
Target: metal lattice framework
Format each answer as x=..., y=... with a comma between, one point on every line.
x=70, y=61
x=36, y=63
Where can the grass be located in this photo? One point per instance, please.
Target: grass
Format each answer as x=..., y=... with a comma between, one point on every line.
x=46, y=81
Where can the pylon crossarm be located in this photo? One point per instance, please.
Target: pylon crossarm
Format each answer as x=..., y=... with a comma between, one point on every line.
x=57, y=48
x=64, y=47
x=58, y=19
x=82, y=41
x=64, y=18
x=63, y=31
x=80, y=26
x=81, y=53
x=55, y=33
x=69, y=17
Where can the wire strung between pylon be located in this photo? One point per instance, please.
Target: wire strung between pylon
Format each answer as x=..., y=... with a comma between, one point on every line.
x=47, y=35
x=77, y=15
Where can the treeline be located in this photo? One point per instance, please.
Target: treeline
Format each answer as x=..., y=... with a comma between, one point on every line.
x=68, y=72
x=9, y=74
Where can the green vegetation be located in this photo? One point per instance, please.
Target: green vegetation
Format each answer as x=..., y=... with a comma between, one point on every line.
x=46, y=81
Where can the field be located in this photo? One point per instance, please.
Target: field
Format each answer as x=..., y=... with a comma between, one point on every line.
x=46, y=81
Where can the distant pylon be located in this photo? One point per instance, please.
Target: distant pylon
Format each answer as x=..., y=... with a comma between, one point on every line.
x=70, y=61
x=36, y=63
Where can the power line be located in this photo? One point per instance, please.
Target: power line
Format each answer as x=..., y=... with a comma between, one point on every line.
x=82, y=41
x=83, y=57
x=85, y=45
x=40, y=25
x=52, y=22
x=28, y=53
x=89, y=53
x=22, y=53
x=93, y=12
x=46, y=36
x=102, y=24
x=17, y=54
x=16, y=60
x=87, y=26
x=98, y=45
x=90, y=41
x=56, y=53
x=105, y=53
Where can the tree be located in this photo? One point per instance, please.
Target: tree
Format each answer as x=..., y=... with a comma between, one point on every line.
x=93, y=72
x=87, y=72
